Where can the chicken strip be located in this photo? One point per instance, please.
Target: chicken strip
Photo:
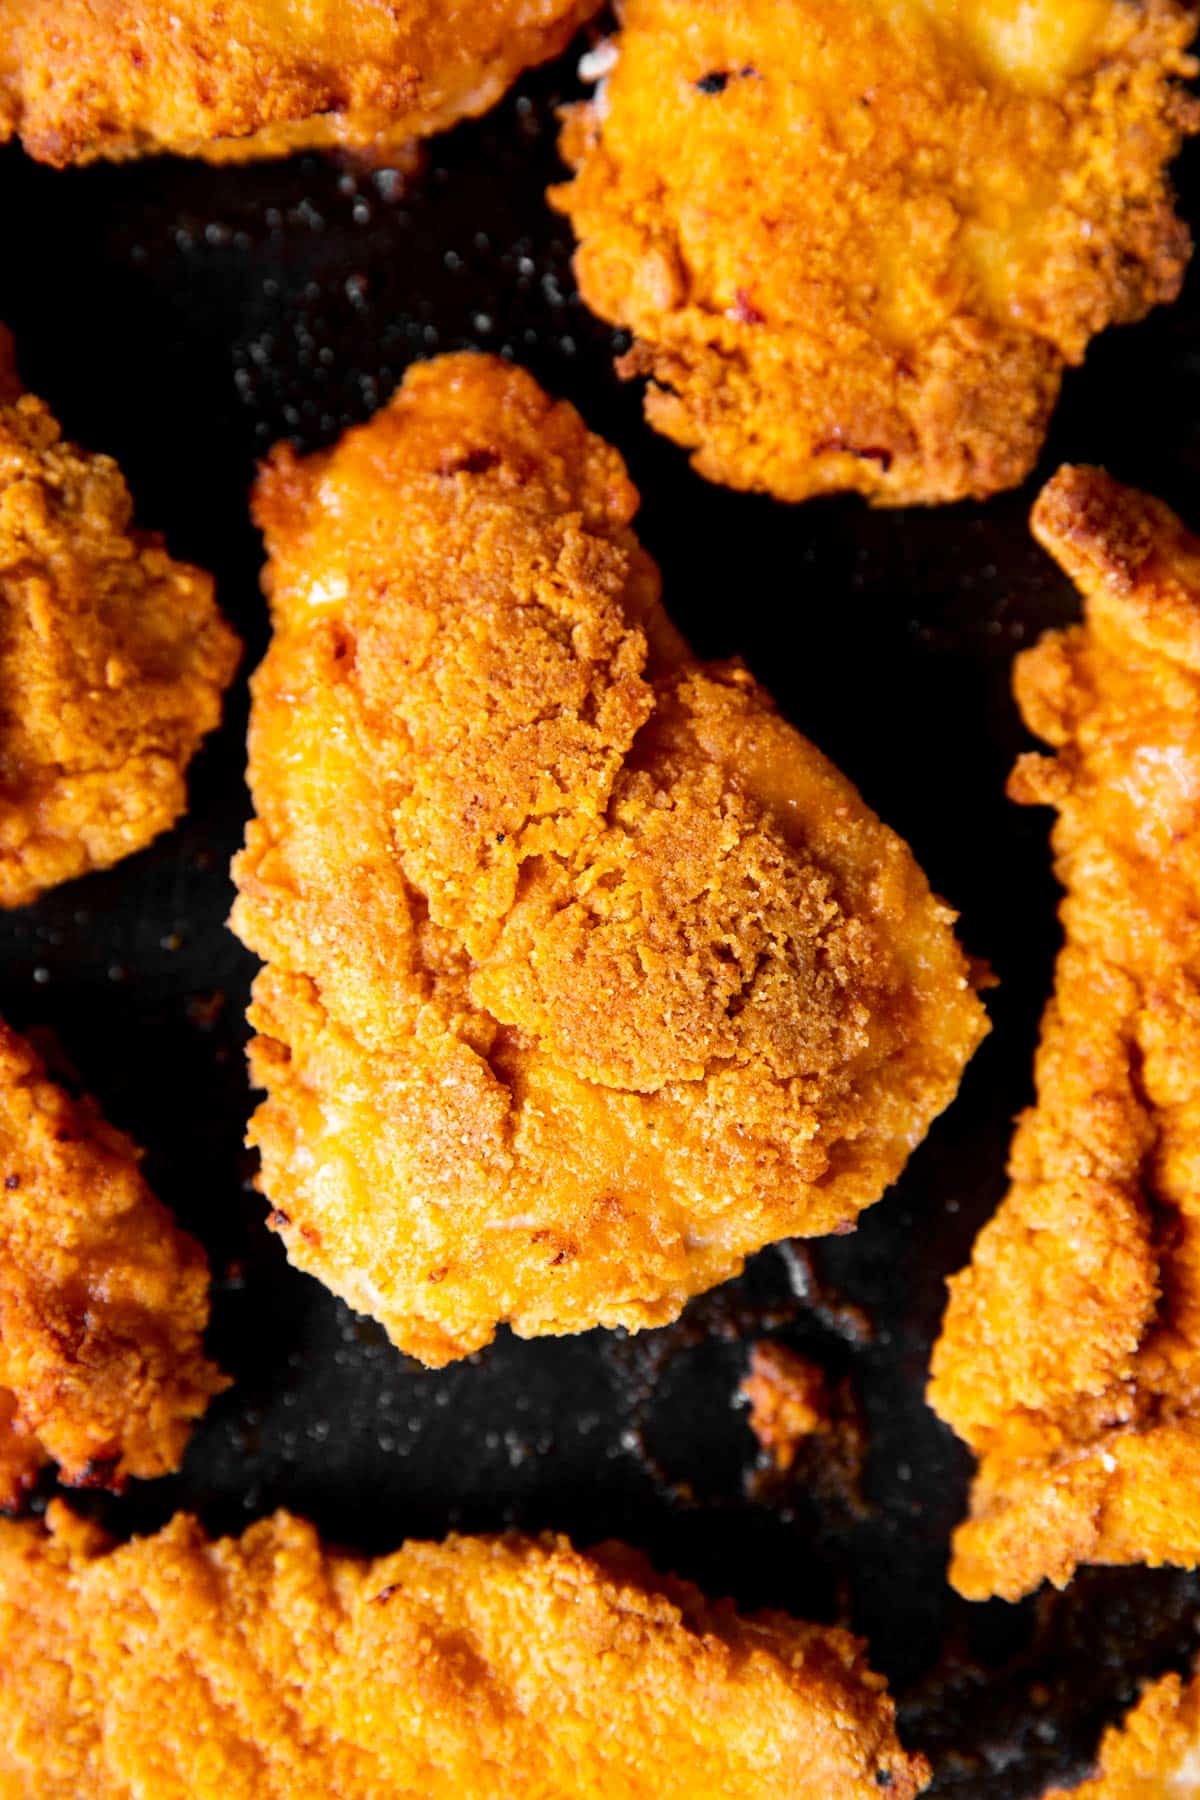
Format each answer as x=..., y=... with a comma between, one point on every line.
x=103, y=1299
x=81, y=79
x=1070, y=1354
x=1155, y=1755
x=587, y=975
x=857, y=241
x=113, y=660
x=267, y=1666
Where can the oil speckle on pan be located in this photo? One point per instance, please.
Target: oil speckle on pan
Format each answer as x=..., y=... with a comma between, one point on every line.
x=184, y=318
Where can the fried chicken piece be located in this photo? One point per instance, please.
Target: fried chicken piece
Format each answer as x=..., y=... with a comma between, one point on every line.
x=856, y=243
x=113, y=660
x=587, y=975
x=267, y=1666
x=788, y=1399
x=103, y=1300
x=82, y=79
x=1154, y=1755
x=1070, y=1354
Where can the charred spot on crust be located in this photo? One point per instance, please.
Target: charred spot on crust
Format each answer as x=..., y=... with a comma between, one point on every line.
x=384, y=1594
x=342, y=647
x=12, y=1182
x=468, y=462
x=277, y=1218
x=717, y=80
x=883, y=1778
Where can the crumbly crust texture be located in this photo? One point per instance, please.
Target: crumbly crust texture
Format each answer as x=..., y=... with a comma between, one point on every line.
x=587, y=975
x=178, y=1669
x=103, y=1300
x=1070, y=1354
x=113, y=660
x=231, y=80
x=1155, y=1754
x=856, y=243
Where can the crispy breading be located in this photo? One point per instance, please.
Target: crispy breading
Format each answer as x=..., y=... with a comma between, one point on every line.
x=1154, y=1755
x=1070, y=1354
x=81, y=79
x=857, y=241
x=178, y=1669
x=587, y=975
x=788, y=1399
x=103, y=1300
x=113, y=660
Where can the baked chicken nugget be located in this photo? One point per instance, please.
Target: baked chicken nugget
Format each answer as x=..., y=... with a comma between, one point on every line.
x=587, y=975
x=113, y=659
x=1154, y=1755
x=1070, y=1354
x=856, y=243
x=103, y=1300
x=81, y=79
x=268, y=1667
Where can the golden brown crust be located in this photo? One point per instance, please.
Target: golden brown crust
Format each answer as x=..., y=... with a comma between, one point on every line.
x=856, y=244
x=266, y=1668
x=587, y=975
x=103, y=1300
x=1155, y=1754
x=1070, y=1355
x=113, y=660
x=236, y=79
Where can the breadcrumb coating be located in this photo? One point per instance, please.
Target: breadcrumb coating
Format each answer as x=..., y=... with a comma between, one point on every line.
x=1155, y=1754
x=103, y=1300
x=587, y=975
x=1070, y=1354
x=232, y=80
x=113, y=660
x=857, y=241
x=178, y=1669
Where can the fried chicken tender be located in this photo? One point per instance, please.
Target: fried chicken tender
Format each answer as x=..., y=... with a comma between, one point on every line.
x=113, y=660
x=1070, y=1354
x=267, y=1666
x=103, y=1300
x=82, y=79
x=1155, y=1755
x=857, y=241
x=587, y=975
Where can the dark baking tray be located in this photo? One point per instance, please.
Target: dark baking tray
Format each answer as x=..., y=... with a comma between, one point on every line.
x=184, y=318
